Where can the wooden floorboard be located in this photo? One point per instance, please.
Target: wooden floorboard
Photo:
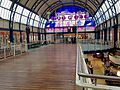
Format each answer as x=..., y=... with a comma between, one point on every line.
x=48, y=68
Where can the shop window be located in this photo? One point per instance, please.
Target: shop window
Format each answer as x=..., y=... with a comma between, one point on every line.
x=118, y=19
x=112, y=22
x=108, y=23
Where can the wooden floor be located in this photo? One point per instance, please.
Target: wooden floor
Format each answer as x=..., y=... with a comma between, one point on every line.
x=47, y=68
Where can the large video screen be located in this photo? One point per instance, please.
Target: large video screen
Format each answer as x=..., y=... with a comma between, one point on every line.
x=65, y=19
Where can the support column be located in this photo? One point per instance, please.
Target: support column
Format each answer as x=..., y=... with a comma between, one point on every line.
x=20, y=36
x=97, y=35
x=39, y=35
x=11, y=36
x=27, y=34
x=45, y=35
x=109, y=34
x=115, y=31
x=105, y=35
x=74, y=31
x=63, y=35
x=54, y=35
x=12, y=14
x=115, y=35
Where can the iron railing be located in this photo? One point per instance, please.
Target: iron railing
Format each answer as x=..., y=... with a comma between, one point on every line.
x=93, y=45
x=12, y=50
x=83, y=78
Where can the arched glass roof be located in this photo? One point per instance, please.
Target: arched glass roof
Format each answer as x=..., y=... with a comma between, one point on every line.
x=43, y=6
x=109, y=9
x=31, y=11
x=19, y=13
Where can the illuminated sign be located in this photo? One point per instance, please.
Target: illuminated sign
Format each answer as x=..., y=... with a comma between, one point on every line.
x=65, y=29
x=70, y=16
x=70, y=19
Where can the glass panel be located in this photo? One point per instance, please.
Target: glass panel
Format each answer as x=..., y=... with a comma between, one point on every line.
x=110, y=2
x=110, y=13
x=107, y=15
x=94, y=18
x=24, y=19
x=101, y=10
x=26, y=12
x=41, y=20
x=108, y=23
x=104, y=7
x=107, y=4
x=118, y=19
x=100, y=20
x=119, y=1
x=33, y=16
x=19, y=9
x=35, y=23
x=31, y=22
x=113, y=1
x=113, y=11
x=97, y=22
x=98, y=15
x=104, y=18
x=37, y=18
x=0, y=1
x=5, y=14
x=17, y=17
x=39, y=25
x=45, y=21
x=117, y=7
x=43, y=26
x=112, y=22
x=14, y=7
x=2, y=12
x=6, y=3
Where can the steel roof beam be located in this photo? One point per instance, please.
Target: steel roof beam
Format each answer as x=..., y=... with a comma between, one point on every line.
x=99, y=7
x=56, y=7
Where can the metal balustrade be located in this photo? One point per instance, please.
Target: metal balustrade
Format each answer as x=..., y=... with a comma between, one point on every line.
x=16, y=49
x=83, y=78
x=12, y=50
x=118, y=44
x=94, y=45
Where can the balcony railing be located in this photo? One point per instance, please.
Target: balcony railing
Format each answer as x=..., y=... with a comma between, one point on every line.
x=93, y=45
x=118, y=44
x=83, y=78
x=12, y=50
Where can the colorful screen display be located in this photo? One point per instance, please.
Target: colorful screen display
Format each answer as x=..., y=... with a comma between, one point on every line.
x=71, y=19
x=67, y=18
